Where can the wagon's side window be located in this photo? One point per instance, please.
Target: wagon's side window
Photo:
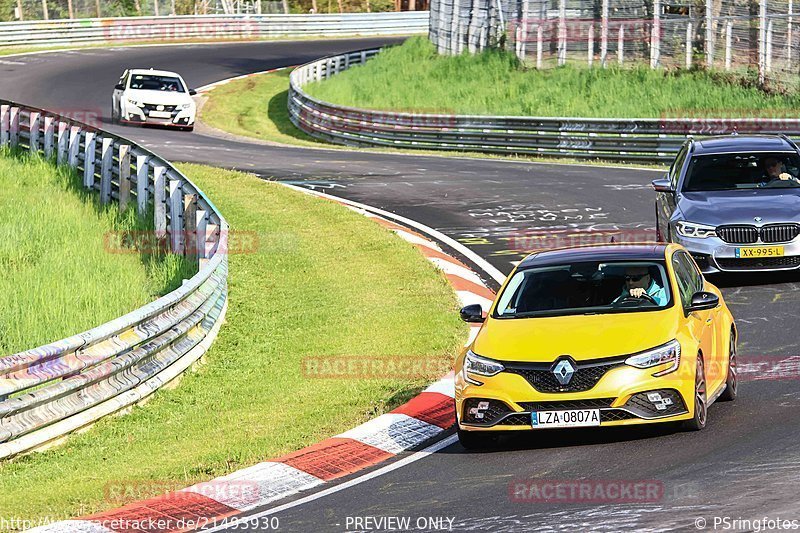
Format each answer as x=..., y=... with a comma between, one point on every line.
x=677, y=165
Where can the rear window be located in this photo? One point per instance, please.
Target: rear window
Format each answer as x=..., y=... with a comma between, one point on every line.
x=151, y=82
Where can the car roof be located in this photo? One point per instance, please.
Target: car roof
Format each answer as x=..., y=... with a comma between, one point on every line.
x=742, y=143
x=153, y=71
x=602, y=252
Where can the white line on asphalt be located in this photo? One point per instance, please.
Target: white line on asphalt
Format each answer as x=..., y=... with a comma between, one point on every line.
x=416, y=456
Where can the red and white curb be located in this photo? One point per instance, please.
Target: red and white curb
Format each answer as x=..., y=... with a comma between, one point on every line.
x=422, y=418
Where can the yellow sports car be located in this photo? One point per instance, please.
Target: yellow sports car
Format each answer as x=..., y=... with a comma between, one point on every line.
x=607, y=335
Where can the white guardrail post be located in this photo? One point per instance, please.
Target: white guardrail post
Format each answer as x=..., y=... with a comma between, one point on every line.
x=5, y=121
x=44, y=393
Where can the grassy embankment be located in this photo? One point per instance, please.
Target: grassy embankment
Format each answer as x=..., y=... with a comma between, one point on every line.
x=411, y=77
x=59, y=276
x=323, y=281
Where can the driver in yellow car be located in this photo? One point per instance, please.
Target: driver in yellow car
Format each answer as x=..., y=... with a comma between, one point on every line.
x=638, y=282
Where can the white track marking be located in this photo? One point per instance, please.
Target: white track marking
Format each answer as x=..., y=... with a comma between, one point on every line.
x=422, y=454
x=445, y=386
x=256, y=485
x=72, y=526
x=392, y=432
x=448, y=267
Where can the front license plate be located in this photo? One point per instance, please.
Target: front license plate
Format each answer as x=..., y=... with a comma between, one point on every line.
x=759, y=251
x=160, y=114
x=565, y=419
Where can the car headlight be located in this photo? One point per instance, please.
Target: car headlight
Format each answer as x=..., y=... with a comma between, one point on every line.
x=481, y=366
x=666, y=353
x=697, y=231
x=134, y=102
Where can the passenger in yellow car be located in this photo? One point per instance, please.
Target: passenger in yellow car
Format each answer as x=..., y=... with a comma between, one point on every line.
x=638, y=282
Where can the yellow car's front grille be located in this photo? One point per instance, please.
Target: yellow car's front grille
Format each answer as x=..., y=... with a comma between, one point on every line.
x=542, y=378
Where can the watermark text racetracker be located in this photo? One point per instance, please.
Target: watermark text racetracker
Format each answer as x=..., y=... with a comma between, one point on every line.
x=122, y=492
x=231, y=242
x=600, y=491
x=360, y=367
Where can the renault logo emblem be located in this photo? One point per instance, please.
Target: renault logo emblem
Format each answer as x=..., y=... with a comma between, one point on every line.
x=563, y=371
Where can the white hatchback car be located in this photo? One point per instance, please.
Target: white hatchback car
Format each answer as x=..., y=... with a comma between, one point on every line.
x=153, y=97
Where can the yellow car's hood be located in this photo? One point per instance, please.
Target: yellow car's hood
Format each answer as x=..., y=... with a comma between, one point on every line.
x=582, y=337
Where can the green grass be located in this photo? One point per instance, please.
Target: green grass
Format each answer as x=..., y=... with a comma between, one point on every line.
x=324, y=281
x=59, y=277
x=412, y=77
x=255, y=107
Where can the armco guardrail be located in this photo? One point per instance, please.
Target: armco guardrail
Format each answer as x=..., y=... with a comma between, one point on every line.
x=54, y=389
x=206, y=27
x=650, y=140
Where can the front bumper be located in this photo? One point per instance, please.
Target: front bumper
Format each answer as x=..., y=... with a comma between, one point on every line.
x=179, y=117
x=621, y=395
x=713, y=255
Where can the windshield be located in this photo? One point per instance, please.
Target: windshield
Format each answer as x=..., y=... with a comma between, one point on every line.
x=151, y=82
x=585, y=288
x=727, y=172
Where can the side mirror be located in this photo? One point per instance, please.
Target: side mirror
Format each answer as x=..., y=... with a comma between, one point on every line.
x=703, y=300
x=662, y=185
x=119, y=87
x=472, y=313
x=192, y=92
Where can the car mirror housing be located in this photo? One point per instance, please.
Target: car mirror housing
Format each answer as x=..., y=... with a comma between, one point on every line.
x=472, y=313
x=702, y=301
x=192, y=92
x=662, y=185
x=119, y=87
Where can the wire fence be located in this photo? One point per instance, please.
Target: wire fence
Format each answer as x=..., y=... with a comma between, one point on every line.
x=757, y=38
x=26, y=10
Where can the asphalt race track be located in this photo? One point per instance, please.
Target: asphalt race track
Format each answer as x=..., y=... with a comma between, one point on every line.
x=745, y=464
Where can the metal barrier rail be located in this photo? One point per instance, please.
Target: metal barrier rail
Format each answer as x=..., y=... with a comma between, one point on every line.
x=619, y=139
x=207, y=27
x=60, y=387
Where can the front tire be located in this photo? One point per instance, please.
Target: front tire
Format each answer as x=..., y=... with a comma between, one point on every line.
x=475, y=440
x=698, y=421
x=732, y=382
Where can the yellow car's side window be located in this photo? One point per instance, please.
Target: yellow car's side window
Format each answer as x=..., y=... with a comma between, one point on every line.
x=683, y=275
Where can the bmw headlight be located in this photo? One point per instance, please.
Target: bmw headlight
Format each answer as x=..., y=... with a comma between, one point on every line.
x=697, y=231
x=134, y=102
x=481, y=366
x=666, y=353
